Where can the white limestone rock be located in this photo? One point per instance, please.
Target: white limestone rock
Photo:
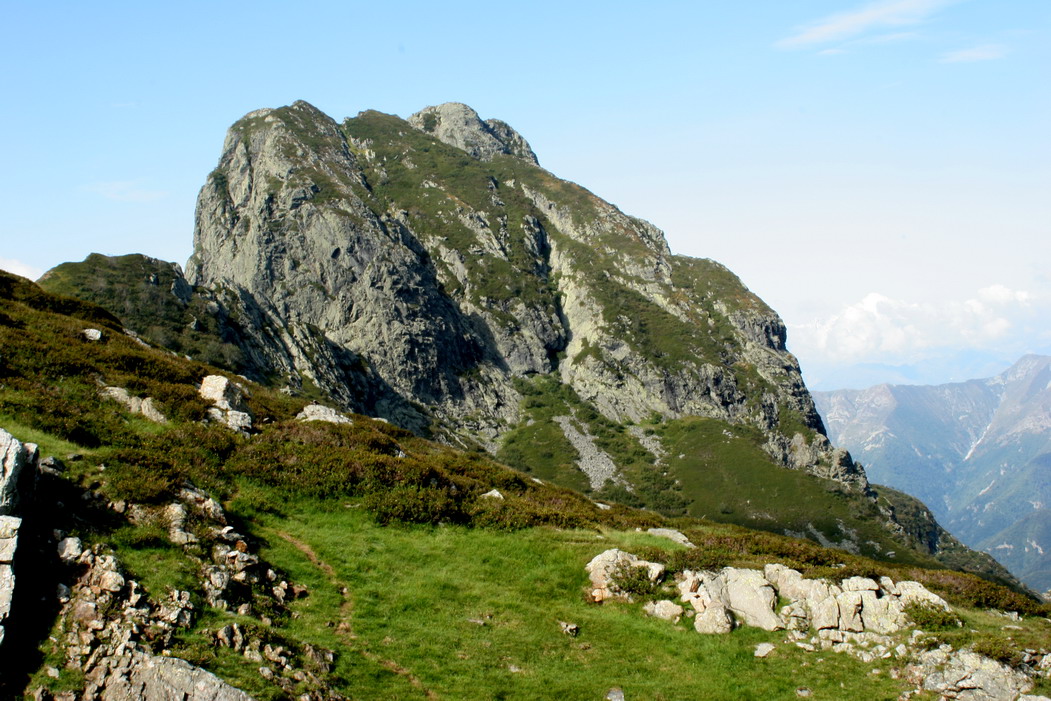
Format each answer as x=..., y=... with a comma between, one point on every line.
x=716, y=619
x=967, y=676
x=15, y=458
x=135, y=405
x=69, y=550
x=458, y=125
x=764, y=649
x=663, y=609
x=672, y=534
x=751, y=598
x=320, y=412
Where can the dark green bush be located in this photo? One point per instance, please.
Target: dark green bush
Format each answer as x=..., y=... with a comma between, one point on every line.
x=930, y=617
x=999, y=649
x=634, y=581
x=413, y=505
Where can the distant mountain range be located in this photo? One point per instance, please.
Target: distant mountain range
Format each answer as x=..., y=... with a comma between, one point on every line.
x=977, y=452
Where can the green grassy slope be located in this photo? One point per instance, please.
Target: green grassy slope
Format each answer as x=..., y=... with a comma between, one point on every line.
x=422, y=587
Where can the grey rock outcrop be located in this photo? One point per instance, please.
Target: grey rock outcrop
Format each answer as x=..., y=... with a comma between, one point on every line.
x=18, y=463
x=967, y=676
x=9, y=527
x=16, y=459
x=152, y=678
x=425, y=309
x=136, y=405
x=227, y=407
x=854, y=605
x=458, y=125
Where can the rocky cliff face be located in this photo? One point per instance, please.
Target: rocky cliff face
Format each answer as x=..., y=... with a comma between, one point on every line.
x=418, y=269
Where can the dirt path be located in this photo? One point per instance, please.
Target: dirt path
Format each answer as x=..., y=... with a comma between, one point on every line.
x=346, y=611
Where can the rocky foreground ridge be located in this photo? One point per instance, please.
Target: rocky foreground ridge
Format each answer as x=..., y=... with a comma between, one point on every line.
x=859, y=616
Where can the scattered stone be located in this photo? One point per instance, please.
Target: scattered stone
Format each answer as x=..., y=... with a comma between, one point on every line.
x=615, y=694
x=136, y=405
x=202, y=503
x=804, y=692
x=319, y=412
x=92, y=334
x=764, y=649
x=69, y=550
x=665, y=610
x=493, y=494
x=570, y=629
x=672, y=534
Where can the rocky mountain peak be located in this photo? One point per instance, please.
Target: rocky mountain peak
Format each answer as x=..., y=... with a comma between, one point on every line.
x=458, y=125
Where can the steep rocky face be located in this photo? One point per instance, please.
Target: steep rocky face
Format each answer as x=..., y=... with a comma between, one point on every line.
x=458, y=125
x=433, y=261
x=978, y=452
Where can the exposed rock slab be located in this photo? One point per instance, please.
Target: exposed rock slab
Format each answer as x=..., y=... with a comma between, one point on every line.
x=141, y=677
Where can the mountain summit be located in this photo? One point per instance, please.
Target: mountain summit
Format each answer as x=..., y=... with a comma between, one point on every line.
x=433, y=262
x=429, y=272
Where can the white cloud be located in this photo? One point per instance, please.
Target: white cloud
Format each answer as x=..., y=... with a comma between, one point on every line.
x=854, y=23
x=125, y=191
x=882, y=329
x=985, y=52
x=19, y=268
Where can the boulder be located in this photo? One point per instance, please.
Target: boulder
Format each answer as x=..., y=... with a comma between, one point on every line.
x=9, y=526
x=222, y=392
x=751, y=598
x=859, y=584
x=664, y=609
x=850, y=612
x=136, y=405
x=93, y=335
x=715, y=619
x=914, y=592
x=493, y=494
x=824, y=613
x=764, y=649
x=883, y=614
x=69, y=549
x=202, y=503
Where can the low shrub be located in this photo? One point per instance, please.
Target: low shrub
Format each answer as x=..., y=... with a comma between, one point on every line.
x=413, y=505
x=634, y=580
x=999, y=649
x=930, y=617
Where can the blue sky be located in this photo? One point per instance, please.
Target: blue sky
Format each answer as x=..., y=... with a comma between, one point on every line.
x=879, y=172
